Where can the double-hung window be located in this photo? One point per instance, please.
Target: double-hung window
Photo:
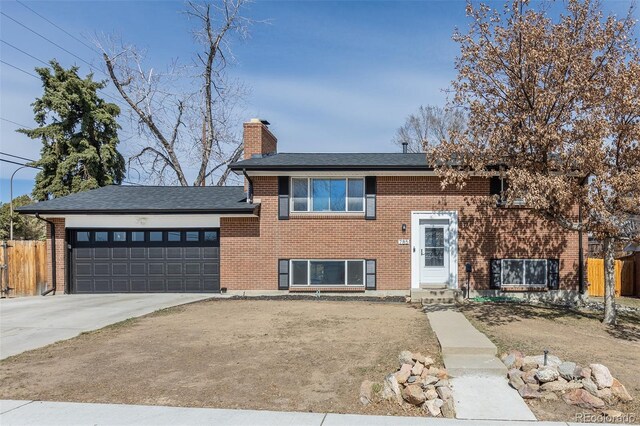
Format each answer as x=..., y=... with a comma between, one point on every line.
x=327, y=194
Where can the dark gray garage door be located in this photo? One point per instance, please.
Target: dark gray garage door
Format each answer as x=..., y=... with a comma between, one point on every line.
x=145, y=261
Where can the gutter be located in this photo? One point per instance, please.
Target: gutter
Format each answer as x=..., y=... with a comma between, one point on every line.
x=249, y=187
x=53, y=255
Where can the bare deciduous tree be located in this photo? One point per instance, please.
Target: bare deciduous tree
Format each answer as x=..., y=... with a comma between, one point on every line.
x=556, y=102
x=429, y=125
x=186, y=114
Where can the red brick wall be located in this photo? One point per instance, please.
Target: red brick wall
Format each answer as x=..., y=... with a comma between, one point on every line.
x=61, y=255
x=250, y=248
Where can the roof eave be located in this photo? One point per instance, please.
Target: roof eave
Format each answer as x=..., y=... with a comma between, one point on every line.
x=248, y=210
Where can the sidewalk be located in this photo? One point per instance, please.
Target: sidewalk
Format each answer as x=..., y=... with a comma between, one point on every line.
x=40, y=413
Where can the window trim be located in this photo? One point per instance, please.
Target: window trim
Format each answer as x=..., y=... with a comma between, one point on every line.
x=344, y=285
x=524, y=275
x=310, y=210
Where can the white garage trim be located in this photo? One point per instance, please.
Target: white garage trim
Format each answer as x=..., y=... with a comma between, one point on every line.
x=144, y=221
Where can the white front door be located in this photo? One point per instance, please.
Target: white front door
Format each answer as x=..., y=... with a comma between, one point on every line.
x=434, y=253
x=434, y=240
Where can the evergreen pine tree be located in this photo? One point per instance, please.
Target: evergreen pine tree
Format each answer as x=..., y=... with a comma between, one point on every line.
x=79, y=135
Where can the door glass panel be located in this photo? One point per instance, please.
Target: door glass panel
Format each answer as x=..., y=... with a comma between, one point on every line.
x=102, y=237
x=173, y=236
x=120, y=236
x=433, y=257
x=83, y=236
x=210, y=235
x=433, y=246
x=137, y=236
x=155, y=236
x=192, y=235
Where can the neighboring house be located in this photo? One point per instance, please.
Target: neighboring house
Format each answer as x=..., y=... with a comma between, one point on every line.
x=378, y=223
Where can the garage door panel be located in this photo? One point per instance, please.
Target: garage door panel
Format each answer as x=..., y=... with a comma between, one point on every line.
x=143, y=266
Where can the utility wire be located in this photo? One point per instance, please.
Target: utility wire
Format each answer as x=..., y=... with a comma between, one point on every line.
x=26, y=53
x=13, y=122
x=59, y=27
x=19, y=164
x=19, y=69
x=16, y=156
x=54, y=43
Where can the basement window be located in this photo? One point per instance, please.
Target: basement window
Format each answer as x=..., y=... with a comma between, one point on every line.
x=524, y=272
x=331, y=273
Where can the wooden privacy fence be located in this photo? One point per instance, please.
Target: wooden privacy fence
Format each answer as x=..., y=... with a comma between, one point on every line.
x=624, y=277
x=26, y=263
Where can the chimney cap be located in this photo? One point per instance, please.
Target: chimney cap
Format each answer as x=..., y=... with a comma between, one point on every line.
x=259, y=120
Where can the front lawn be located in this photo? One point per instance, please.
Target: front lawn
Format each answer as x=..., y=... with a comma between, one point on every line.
x=572, y=335
x=253, y=354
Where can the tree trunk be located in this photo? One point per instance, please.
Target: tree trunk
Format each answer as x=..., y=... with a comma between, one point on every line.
x=609, y=282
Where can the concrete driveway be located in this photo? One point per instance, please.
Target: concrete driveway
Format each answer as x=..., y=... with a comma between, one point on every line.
x=32, y=322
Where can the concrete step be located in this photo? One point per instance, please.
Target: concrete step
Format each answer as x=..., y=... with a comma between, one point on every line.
x=425, y=296
x=484, y=365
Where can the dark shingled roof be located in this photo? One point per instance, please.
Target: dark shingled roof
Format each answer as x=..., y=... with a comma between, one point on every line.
x=335, y=161
x=148, y=200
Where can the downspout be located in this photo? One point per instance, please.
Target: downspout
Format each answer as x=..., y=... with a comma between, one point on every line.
x=249, y=187
x=53, y=255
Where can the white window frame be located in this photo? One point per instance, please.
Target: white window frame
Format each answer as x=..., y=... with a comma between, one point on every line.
x=345, y=285
x=524, y=275
x=309, y=179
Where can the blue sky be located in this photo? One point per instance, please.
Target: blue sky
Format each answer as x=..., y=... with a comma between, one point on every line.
x=329, y=76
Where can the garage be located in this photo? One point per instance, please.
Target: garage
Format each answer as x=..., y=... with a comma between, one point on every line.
x=144, y=260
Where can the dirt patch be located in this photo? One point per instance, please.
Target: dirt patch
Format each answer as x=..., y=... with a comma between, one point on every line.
x=573, y=335
x=276, y=355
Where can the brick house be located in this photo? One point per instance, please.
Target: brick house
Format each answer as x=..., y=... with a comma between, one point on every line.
x=378, y=224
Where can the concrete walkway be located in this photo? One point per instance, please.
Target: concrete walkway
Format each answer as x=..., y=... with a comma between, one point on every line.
x=479, y=384
x=31, y=322
x=38, y=413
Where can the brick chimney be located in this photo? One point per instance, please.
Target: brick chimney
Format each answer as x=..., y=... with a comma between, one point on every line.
x=258, y=139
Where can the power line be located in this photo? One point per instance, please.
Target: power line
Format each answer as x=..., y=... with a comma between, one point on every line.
x=59, y=27
x=13, y=122
x=26, y=53
x=17, y=156
x=19, y=69
x=19, y=164
x=55, y=44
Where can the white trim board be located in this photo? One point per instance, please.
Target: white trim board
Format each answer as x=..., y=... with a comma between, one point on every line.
x=452, y=218
x=143, y=221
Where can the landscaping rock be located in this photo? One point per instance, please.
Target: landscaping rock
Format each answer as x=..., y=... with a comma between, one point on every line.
x=412, y=379
x=433, y=371
x=429, y=380
x=443, y=382
x=417, y=368
x=529, y=363
x=529, y=391
x=590, y=386
x=601, y=376
x=428, y=361
x=560, y=386
x=406, y=357
x=403, y=374
x=549, y=396
x=442, y=374
x=582, y=398
x=444, y=393
x=583, y=372
x=620, y=392
x=516, y=382
x=547, y=374
x=418, y=357
x=567, y=370
x=366, y=392
x=606, y=395
x=513, y=359
x=431, y=394
x=391, y=389
x=530, y=377
x=413, y=395
x=448, y=409
x=432, y=408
